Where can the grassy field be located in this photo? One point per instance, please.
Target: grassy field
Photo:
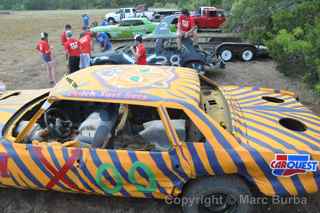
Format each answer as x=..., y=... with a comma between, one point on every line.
x=20, y=64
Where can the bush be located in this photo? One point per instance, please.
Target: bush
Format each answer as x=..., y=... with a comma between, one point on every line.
x=290, y=29
x=289, y=51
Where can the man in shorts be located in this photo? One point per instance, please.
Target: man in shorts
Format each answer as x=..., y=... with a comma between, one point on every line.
x=73, y=52
x=45, y=52
x=186, y=28
x=85, y=44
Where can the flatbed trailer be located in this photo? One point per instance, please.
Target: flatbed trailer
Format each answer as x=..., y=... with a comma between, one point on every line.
x=229, y=46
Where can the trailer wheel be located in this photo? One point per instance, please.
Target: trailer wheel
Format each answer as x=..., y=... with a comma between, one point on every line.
x=247, y=54
x=226, y=54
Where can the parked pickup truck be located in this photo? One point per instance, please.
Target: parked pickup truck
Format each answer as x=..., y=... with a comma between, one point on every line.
x=122, y=13
x=209, y=17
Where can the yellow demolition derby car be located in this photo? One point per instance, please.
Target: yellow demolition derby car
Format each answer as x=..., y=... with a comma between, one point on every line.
x=159, y=132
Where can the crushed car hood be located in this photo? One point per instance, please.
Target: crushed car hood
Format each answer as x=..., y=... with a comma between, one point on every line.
x=272, y=119
x=12, y=101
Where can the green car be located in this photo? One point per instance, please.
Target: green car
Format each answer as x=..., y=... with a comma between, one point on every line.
x=127, y=28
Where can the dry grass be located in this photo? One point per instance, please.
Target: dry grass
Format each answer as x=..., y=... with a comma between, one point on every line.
x=20, y=64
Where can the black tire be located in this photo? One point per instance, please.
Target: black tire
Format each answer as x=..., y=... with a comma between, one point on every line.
x=112, y=20
x=247, y=54
x=226, y=54
x=224, y=192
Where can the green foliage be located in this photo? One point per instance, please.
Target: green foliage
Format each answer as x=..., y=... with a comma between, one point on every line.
x=290, y=29
x=317, y=89
x=86, y=4
x=289, y=51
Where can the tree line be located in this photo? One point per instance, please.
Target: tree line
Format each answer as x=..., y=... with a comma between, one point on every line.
x=99, y=4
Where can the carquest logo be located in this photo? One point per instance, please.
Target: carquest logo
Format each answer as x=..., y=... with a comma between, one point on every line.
x=292, y=164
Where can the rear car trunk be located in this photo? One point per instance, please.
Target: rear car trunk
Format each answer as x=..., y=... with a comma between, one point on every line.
x=273, y=120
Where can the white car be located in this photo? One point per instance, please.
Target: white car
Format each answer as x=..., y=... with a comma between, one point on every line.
x=122, y=13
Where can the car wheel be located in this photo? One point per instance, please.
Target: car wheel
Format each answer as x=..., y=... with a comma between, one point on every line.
x=217, y=194
x=111, y=20
x=247, y=55
x=196, y=65
x=226, y=54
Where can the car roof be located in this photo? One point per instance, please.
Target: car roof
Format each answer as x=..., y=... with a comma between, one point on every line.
x=146, y=83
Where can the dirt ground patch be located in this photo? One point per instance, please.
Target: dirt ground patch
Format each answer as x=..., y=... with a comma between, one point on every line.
x=21, y=68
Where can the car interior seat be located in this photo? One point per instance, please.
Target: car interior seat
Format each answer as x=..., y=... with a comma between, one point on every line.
x=97, y=128
x=155, y=133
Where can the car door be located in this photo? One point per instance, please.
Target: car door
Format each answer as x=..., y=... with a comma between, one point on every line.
x=39, y=166
x=195, y=141
x=212, y=19
x=124, y=29
x=128, y=13
x=139, y=173
x=138, y=27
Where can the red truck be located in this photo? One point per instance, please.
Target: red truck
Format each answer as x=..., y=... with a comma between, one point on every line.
x=209, y=17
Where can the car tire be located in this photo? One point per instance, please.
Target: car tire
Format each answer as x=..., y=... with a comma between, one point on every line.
x=247, y=54
x=224, y=193
x=226, y=54
x=196, y=65
x=111, y=20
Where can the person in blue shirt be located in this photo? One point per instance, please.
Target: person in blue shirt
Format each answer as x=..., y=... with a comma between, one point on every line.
x=104, y=41
x=104, y=22
x=85, y=21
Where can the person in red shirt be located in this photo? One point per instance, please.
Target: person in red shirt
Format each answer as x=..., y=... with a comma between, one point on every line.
x=72, y=49
x=85, y=44
x=63, y=37
x=186, y=27
x=139, y=51
x=45, y=51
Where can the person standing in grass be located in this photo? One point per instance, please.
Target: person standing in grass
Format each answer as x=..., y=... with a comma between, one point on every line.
x=85, y=21
x=72, y=49
x=85, y=44
x=45, y=51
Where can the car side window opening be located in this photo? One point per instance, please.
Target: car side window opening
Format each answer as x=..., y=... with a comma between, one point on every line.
x=185, y=128
x=98, y=125
x=212, y=13
x=138, y=23
x=24, y=119
x=125, y=23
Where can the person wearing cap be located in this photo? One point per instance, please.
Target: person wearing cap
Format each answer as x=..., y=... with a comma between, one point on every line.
x=85, y=44
x=63, y=37
x=186, y=28
x=45, y=51
x=139, y=51
x=73, y=52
